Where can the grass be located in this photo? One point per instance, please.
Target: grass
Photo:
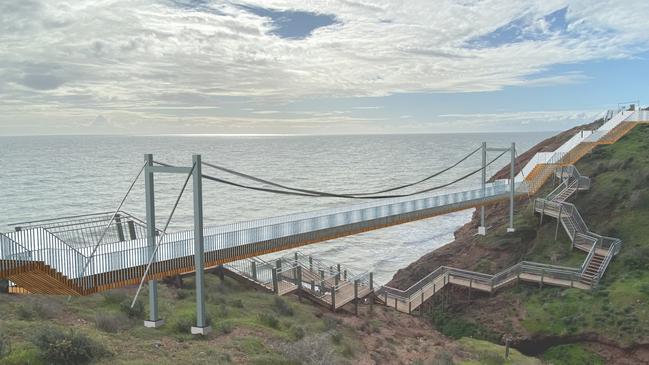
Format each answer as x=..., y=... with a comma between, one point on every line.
x=487, y=353
x=571, y=354
x=616, y=205
x=242, y=333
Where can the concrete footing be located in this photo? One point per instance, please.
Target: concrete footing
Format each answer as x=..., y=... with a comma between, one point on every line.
x=154, y=324
x=201, y=330
x=511, y=230
x=482, y=231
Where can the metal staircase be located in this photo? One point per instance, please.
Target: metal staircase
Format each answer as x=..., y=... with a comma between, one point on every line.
x=600, y=248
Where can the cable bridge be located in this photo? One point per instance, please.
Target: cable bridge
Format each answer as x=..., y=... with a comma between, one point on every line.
x=87, y=254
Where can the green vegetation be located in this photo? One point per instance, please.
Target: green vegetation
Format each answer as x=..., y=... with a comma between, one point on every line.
x=487, y=353
x=457, y=327
x=249, y=327
x=571, y=354
x=616, y=205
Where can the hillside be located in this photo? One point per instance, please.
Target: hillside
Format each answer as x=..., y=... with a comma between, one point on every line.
x=250, y=327
x=549, y=325
x=612, y=320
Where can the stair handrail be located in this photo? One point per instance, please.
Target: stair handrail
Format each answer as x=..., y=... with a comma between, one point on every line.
x=607, y=260
x=589, y=257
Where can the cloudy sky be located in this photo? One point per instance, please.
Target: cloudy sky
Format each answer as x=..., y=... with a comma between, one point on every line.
x=338, y=66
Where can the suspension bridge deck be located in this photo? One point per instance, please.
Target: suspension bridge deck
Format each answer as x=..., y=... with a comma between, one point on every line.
x=123, y=263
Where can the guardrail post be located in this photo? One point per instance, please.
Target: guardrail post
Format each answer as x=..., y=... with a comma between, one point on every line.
x=310, y=263
x=275, y=283
x=556, y=230
x=333, y=298
x=253, y=268
x=371, y=281
x=221, y=271
x=470, y=287
x=542, y=212
x=120, y=229
x=313, y=286
x=278, y=264
x=482, y=230
x=338, y=267
x=131, y=230
x=356, y=297
x=299, y=283
x=337, y=278
x=345, y=275
x=421, y=305
x=511, y=228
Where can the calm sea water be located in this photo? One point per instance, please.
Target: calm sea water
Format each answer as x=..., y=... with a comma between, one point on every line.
x=51, y=176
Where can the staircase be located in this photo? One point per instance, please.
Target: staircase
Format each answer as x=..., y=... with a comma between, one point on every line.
x=332, y=286
x=591, y=274
x=600, y=249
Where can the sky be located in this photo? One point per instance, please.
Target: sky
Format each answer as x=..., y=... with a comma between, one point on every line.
x=317, y=67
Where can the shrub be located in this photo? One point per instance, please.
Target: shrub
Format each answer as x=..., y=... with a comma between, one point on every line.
x=312, y=350
x=182, y=294
x=58, y=347
x=185, y=323
x=330, y=323
x=5, y=346
x=443, y=358
x=237, y=303
x=110, y=323
x=282, y=307
x=297, y=332
x=34, y=309
x=114, y=297
x=23, y=356
x=25, y=313
x=337, y=337
x=224, y=328
x=269, y=320
x=137, y=312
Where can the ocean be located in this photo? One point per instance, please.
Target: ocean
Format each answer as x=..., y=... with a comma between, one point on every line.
x=52, y=176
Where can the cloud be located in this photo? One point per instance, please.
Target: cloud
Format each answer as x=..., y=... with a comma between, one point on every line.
x=134, y=56
x=41, y=82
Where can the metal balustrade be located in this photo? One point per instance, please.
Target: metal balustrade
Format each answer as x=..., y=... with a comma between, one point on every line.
x=227, y=242
x=411, y=298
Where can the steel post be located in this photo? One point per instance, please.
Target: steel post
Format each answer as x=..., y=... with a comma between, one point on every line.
x=149, y=192
x=199, y=256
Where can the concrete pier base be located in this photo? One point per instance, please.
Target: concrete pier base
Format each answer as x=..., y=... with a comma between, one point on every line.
x=154, y=324
x=482, y=231
x=511, y=230
x=201, y=330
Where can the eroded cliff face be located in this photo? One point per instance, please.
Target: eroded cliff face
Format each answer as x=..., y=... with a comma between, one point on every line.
x=466, y=251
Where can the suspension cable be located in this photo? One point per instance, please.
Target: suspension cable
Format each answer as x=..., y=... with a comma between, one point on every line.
x=162, y=235
x=314, y=194
x=308, y=191
x=103, y=233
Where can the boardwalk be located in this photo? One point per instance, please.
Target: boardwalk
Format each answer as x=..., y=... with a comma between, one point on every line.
x=40, y=259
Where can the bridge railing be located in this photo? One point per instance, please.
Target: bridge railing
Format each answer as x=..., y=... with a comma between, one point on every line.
x=84, y=230
x=12, y=254
x=232, y=240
